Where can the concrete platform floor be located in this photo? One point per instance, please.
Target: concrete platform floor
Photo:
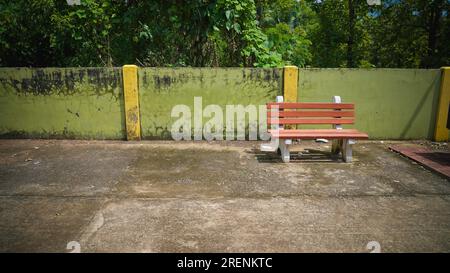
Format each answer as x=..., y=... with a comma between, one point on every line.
x=216, y=197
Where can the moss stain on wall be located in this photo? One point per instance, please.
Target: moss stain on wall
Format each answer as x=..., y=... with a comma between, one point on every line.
x=61, y=103
x=87, y=103
x=160, y=89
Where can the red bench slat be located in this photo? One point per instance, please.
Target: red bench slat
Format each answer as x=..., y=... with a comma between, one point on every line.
x=311, y=121
x=314, y=130
x=310, y=105
x=319, y=133
x=333, y=114
x=300, y=113
x=286, y=113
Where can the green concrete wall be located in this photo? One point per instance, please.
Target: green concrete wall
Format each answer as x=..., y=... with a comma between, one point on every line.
x=390, y=103
x=162, y=88
x=62, y=103
x=87, y=103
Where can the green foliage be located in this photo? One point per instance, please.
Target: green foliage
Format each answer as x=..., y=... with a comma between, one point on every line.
x=286, y=24
x=412, y=33
x=339, y=41
x=83, y=32
x=24, y=33
x=398, y=33
x=292, y=44
x=262, y=33
x=235, y=20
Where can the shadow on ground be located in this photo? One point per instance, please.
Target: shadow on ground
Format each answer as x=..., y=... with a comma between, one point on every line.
x=307, y=155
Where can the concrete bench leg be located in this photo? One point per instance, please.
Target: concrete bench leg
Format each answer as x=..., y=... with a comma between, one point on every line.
x=347, y=150
x=284, y=150
x=336, y=146
x=272, y=146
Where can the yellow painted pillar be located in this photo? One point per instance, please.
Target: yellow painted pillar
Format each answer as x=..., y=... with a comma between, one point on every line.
x=290, y=82
x=131, y=96
x=441, y=132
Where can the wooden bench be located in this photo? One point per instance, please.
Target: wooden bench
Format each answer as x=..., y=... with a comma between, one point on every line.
x=280, y=114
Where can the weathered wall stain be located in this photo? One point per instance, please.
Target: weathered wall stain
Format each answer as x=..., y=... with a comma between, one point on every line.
x=255, y=74
x=160, y=89
x=131, y=116
x=61, y=81
x=163, y=81
x=62, y=103
x=178, y=76
x=76, y=114
x=88, y=102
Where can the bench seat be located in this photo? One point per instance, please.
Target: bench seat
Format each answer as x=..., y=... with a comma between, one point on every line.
x=318, y=133
x=282, y=117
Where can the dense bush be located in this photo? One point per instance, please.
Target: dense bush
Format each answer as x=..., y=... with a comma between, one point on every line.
x=327, y=33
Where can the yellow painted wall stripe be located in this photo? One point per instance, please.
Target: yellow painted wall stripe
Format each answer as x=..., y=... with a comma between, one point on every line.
x=441, y=133
x=131, y=96
x=290, y=82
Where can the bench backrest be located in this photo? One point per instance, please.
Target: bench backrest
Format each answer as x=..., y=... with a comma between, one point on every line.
x=283, y=113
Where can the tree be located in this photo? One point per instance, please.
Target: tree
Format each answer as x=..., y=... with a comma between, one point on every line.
x=341, y=38
x=262, y=33
x=286, y=24
x=411, y=33
x=24, y=33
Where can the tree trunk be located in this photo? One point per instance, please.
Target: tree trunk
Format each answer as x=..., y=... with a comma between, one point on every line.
x=433, y=26
x=351, y=34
